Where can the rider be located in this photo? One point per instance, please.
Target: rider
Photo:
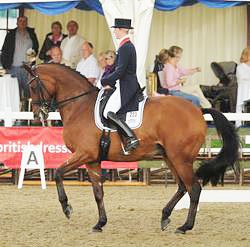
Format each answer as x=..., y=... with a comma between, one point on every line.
x=122, y=84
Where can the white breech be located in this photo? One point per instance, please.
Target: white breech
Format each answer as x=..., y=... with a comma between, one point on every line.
x=114, y=102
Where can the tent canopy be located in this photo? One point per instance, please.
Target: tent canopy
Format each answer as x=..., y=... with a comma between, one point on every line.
x=55, y=7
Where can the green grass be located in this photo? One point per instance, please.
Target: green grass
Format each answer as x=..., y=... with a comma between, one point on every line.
x=216, y=143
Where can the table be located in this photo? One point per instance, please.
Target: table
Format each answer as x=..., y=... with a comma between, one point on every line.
x=9, y=94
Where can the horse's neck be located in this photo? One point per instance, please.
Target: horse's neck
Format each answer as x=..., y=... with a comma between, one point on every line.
x=70, y=86
x=83, y=106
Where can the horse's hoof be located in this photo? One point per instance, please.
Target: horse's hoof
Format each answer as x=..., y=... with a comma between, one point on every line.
x=96, y=229
x=68, y=211
x=180, y=231
x=164, y=224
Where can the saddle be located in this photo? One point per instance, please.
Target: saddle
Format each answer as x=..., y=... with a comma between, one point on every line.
x=132, y=118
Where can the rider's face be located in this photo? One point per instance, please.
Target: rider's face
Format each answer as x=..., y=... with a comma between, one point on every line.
x=120, y=32
x=117, y=33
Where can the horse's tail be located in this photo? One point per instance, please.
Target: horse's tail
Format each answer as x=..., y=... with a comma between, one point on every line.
x=214, y=169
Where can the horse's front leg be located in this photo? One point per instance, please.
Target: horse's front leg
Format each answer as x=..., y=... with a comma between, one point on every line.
x=95, y=175
x=74, y=162
x=66, y=207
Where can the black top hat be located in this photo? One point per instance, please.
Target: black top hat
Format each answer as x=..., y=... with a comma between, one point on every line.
x=122, y=23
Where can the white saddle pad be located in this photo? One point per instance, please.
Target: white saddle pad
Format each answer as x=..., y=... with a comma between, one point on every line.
x=133, y=118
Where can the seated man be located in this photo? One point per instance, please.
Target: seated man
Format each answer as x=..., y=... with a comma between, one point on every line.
x=88, y=65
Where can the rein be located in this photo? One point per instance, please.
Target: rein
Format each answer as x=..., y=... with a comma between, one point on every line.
x=62, y=103
x=42, y=102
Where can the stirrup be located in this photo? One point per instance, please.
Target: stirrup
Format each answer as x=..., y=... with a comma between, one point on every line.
x=123, y=150
x=132, y=144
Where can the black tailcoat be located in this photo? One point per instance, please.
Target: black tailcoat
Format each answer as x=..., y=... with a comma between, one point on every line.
x=125, y=71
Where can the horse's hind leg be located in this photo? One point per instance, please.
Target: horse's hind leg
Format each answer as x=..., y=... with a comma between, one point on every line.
x=167, y=210
x=95, y=175
x=186, y=174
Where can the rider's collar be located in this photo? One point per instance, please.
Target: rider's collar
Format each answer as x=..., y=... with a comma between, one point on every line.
x=123, y=40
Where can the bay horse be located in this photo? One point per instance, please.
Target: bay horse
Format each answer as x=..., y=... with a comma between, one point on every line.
x=172, y=127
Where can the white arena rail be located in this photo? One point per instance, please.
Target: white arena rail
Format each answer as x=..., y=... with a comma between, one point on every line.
x=8, y=117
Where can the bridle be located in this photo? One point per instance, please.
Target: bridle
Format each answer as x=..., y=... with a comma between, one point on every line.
x=45, y=98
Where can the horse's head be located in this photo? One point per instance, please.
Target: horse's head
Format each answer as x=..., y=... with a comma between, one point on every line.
x=42, y=90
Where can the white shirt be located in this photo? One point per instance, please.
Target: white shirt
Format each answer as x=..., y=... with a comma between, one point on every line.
x=243, y=80
x=71, y=48
x=243, y=73
x=89, y=67
x=22, y=44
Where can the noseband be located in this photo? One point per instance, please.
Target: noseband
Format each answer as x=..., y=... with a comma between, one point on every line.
x=42, y=102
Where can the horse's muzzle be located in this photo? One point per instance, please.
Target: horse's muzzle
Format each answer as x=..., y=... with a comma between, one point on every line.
x=36, y=115
x=42, y=113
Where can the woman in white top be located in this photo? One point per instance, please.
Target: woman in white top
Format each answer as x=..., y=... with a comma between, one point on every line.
x=243, y=79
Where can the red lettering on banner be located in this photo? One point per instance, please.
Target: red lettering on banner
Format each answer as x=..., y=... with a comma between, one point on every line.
x=14, y=139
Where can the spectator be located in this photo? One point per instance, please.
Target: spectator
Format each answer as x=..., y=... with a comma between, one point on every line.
x=88, y=64
x=173, y=75
x=110, y=57
x=54, y=38
x=14, y=51
x=159, y=62
x=56, y=55
x=243, y=79
x=101, y=62
x=71, y=45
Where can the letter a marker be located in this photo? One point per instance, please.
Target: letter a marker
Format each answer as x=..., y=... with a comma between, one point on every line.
x=32, y=158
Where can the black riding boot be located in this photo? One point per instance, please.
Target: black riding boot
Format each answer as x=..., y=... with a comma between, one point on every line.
x=131, y=141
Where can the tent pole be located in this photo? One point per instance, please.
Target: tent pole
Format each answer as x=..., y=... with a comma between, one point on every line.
x=248, y=25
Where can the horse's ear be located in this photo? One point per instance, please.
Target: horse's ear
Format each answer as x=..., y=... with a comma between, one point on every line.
x=28, y=68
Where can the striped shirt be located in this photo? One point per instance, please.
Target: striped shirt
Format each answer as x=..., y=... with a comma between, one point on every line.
x=22, y=44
